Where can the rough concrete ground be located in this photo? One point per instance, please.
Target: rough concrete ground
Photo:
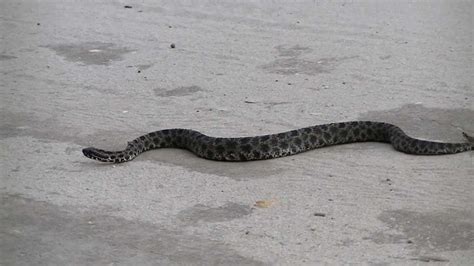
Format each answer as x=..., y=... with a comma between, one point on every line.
x=89, y=73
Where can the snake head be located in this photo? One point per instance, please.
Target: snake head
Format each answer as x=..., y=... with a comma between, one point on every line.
x=97, y=154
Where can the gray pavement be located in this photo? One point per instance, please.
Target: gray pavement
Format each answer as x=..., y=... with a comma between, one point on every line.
x=94, y=73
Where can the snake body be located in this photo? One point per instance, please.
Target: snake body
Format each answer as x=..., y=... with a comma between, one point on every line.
x=278, y=145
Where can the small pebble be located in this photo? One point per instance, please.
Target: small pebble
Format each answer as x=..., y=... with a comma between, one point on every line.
x=127, y=6
x=38, y=23
x=172, y=45
x=139, y=71
x=319, y=214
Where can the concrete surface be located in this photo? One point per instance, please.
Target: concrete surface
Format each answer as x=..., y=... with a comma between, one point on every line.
x=93, y=73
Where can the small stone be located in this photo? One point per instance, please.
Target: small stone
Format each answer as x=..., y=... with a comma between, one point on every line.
x=172, y=45
x=320, y=214
x=127, y=6
x=38, y=23
x=409, y=242
x=139, y=71
x=170, y=26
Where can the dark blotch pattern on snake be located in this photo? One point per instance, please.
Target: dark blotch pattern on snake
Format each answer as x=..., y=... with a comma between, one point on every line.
x=278, y=145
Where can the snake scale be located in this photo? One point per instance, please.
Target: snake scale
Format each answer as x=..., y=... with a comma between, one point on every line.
x=278, y=145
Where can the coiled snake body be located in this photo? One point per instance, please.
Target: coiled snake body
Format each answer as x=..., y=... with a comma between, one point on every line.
x=278, y=145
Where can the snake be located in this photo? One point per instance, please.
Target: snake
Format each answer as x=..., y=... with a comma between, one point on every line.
x=240, y=149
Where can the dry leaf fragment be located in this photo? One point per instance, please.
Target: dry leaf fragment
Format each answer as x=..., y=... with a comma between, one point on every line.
x=264, y=203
